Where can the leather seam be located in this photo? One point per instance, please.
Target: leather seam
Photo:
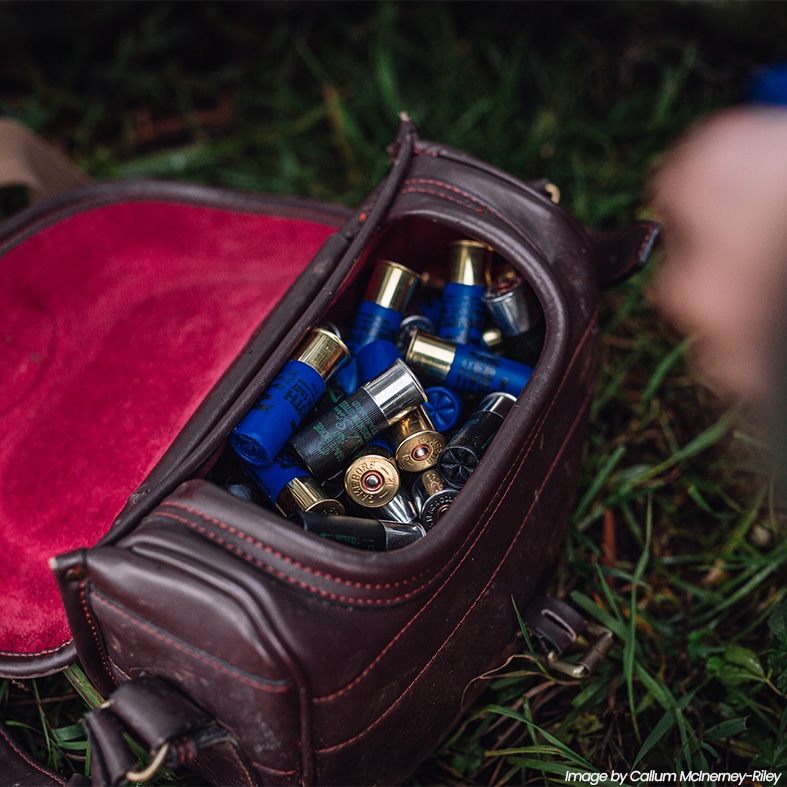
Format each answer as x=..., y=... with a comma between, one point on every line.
x=182, y=747
x=284, y=558
x=188, y=650
x=483, y=206
x=94, y=629
x=29, y=760
x=118, y=669
x=436, y=193
x=32, y=654
x=277, y=771
x=250, y=778
x=274, y=571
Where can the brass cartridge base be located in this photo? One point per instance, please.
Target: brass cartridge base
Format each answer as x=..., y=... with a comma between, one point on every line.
x=305, y=494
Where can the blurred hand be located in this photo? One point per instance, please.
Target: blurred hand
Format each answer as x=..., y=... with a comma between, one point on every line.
x=722, y=197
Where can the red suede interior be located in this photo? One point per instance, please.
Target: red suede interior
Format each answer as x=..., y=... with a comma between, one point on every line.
x=114, y=325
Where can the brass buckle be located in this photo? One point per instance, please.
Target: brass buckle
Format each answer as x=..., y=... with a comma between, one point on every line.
x=592, y=657
x=135, y=777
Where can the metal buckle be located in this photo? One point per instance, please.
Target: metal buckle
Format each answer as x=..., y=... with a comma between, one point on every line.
x=592, y=657
x=152, y=768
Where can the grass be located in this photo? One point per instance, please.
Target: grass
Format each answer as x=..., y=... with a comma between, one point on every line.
x=676, y=543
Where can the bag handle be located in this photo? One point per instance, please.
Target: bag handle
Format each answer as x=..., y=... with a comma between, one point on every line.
x=624, y=252
x=27, y=160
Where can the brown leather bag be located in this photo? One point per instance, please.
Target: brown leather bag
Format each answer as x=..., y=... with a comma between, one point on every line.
x=236, y=644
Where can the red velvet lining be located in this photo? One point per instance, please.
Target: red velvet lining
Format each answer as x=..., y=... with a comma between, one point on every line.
x=114, y=325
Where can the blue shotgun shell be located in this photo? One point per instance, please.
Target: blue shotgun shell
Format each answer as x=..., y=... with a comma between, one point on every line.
x=478, y=371
x=374, y=358
x=463, y=313
x=264, y=431
x=382, y=308
x=289, y=486
x=443, y=406
x=464, y=367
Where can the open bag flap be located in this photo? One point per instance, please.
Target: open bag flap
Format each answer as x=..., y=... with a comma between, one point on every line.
x=122, y=307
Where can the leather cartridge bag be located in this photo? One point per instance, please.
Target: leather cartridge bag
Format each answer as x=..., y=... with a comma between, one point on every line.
x=232, y=642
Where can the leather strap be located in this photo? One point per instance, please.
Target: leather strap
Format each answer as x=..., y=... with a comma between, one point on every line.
x=624, y=252
x=553, y=623
x=170, y=727
x=27, y=160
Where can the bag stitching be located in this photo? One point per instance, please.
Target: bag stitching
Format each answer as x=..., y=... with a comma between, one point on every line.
x=118, y=669
x=270, y=569
x=276, y=771
x=32, y=654
x=280, y=555
x=250, y=780
x=195, y=653
x=484, y=207
x=94, y=628
x=182, y=747
x=29, y=760
x=435, y=193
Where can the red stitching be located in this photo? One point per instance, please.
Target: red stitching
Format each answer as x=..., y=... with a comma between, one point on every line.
x=433, y=193
x=250, y=779
x=185, y=649
x=94, y=629
x=447, y=186
x=280, y=574
x=420, y=152
x=278, y=772
x=117, y=668
x=474, y=199
x=281, y=556
x=527, y=447
x=182, y=752
x=29, y=760
x=31, y=654
x=390, y=708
